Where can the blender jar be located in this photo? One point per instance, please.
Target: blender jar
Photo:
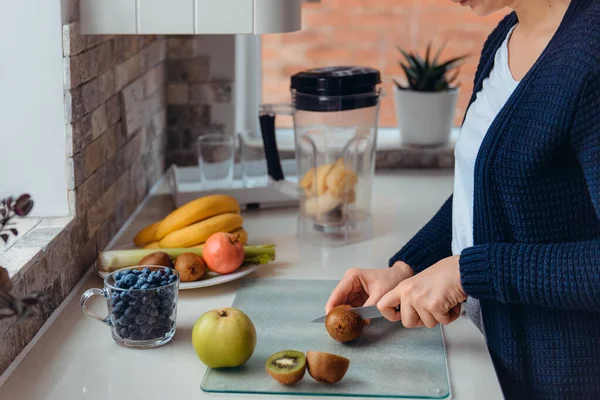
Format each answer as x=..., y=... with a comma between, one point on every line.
x=335, y=112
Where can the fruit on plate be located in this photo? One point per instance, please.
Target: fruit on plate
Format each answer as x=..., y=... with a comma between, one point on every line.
x=159, y=258
x=146, y=235
x=224, y=337
x=200, y=231
x=240, y=233
x=143, y=308
x=223, y=253
x=196, y=211
x=287, y=366
x=113, y=260
x=326, y=367
x=153, y=245
x=191, y=267
x=343, y=324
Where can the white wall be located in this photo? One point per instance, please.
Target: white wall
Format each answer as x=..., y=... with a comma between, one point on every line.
x=32, y=126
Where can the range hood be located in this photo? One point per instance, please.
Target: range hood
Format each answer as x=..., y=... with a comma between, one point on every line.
x=188, y=17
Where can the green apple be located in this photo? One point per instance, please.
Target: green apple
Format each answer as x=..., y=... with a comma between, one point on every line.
x=224, y=337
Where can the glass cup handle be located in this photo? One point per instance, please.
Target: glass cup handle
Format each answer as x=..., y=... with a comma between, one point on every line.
x=95, y=292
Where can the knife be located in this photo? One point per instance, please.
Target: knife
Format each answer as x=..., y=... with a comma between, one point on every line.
x=364, y=312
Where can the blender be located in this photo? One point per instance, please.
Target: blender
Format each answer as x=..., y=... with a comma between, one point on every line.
x=335, y=114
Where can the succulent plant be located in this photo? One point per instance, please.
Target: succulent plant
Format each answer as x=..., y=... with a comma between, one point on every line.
x=426, y=74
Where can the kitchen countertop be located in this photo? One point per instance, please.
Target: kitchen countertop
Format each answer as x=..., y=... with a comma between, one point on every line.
x=74, y=356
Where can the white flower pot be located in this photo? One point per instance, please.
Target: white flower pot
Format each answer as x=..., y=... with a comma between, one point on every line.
x=425, y=118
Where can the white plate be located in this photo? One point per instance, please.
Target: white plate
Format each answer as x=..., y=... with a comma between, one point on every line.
x=209, y=279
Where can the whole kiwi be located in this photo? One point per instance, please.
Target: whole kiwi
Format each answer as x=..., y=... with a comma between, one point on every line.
x=157, y=258
x=343, y=324
x=190, y=266
x=326, y=367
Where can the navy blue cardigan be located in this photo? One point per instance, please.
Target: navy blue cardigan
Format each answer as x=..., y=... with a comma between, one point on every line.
x=535, y=262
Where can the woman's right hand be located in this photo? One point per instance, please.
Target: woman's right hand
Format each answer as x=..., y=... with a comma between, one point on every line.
x=364, y=287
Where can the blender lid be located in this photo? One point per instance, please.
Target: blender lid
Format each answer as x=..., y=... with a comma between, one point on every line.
x=336, y=88
x=337, y=81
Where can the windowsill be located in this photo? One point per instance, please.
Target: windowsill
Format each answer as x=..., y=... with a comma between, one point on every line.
x=24, y=250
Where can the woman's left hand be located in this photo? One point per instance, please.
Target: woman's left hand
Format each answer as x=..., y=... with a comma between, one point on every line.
x=428, y=298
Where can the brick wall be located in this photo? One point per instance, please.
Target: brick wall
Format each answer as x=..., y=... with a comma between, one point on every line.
x=365, y=32
x=200, y=73
x=116, y=126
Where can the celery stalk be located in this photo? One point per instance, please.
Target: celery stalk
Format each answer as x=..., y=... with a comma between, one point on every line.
x=113, y=260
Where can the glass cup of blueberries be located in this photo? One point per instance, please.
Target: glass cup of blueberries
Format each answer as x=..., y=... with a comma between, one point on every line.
x=142, y=305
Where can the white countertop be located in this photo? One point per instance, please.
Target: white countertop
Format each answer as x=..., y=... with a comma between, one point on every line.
x=74, y=356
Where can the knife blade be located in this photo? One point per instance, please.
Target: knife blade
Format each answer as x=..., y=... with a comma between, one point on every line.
x=368, y=312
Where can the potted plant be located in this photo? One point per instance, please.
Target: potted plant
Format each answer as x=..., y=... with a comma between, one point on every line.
x=426, y=102
x=11, y=305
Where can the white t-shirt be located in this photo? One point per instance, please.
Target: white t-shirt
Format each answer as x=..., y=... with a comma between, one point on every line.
x=496, y=90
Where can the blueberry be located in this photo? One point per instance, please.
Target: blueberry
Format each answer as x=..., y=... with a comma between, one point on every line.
x=130, y=280
x=154, y=313
x=141, y=319
x=145, y=309
x=125, y=296
x=146, y=271
x=136, y=272
x=121, y=306
x=118, y=275
x=116, y=315
x=146, y=300
x=130, y=312
x=124, y=332
x=115, y=297
x=161, y=292
x=145, y=286
x=133, y=328
x=166, y=303
x=124, y=321
x=155, y=303
x=134, y=302
x=159, y=332
x=163, y=315
x=146, y=329
x=161, y=272
x=151, y=320
x=136, y=336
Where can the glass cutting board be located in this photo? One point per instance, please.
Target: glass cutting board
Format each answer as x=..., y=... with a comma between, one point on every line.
x=387, y=360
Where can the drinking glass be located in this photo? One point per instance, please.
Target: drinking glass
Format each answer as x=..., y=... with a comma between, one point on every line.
x=138, y=318
x=252, y=160
x=216, y=158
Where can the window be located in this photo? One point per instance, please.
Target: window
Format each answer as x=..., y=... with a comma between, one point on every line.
x=32, y=122
x=366, y=32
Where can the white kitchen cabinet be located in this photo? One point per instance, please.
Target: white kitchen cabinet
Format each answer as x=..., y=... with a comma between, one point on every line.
x=190, y=16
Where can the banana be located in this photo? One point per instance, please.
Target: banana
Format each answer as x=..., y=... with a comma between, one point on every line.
x=153, y=245
x=196, y=211
x=198, y=232
x=146, y=235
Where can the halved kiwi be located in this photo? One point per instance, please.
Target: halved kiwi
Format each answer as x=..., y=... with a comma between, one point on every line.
x=326, y=367
x=287, y=366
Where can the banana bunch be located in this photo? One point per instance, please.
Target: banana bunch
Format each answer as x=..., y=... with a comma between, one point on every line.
x=193, y=223
x=327, y=187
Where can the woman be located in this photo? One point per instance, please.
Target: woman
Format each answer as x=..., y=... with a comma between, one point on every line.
x=519, y=239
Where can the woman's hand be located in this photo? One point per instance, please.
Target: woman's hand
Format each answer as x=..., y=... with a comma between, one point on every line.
x=364, y=287
x=428, y=298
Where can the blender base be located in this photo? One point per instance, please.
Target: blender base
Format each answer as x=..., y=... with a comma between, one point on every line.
x=354, y=230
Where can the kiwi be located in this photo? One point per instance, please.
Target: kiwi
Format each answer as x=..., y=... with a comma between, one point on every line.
x=343, y=324
x=287, y=366
x=157, y=258
x=190, y=266
x=326, y=367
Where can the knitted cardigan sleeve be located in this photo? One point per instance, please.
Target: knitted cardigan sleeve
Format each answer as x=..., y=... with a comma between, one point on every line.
x=570, y=277
x=431, y=244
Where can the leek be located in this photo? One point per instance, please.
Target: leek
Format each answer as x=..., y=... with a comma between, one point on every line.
x=113, y=260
